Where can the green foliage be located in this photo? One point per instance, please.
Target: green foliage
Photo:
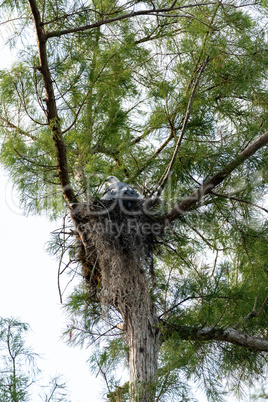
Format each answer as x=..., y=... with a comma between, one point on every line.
x=17, y=361
x=18, y=366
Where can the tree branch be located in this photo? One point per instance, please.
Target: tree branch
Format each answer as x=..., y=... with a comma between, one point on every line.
x=191, y=201
x=52, y=113
x=253, y=313
x=230, y=197
x=230, y=335
x=132, y=14
x=166, y=174
x=32, y=162
x=18, y=129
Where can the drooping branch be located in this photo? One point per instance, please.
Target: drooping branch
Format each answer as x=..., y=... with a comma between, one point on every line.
x=192, y=199
x=230, y=335
x=52, y=113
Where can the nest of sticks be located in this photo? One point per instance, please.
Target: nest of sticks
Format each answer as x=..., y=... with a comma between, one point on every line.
x=116, y=240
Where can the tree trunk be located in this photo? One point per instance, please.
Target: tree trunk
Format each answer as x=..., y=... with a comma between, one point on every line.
x=121, y=252
x=143, y=345
x=125, y=286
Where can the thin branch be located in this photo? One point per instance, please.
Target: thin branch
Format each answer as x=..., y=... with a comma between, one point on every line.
x=75, y=116
x=158, y=151
x=176, y=252
x=192, y=200
x=200, y=235
x=47, y=167
x=132, y=14
x=23, y=103
x=179, y=303
x=181, y=16
x=19, y=130
x=229, y=197
x=166, y=174
x=11, y=20
x=68, y=15
x=99, y=336
x=58, y=280
x=253, y=313
x=163, y=145
x=104, y=376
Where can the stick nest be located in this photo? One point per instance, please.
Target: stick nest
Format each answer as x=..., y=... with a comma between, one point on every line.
x=116, y=240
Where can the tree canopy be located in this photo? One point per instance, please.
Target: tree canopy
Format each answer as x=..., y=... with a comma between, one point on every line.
x=172, y=98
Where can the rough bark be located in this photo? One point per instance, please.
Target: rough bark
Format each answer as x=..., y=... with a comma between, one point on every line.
x=138, y=313
x=125, y=288
x=143, y=343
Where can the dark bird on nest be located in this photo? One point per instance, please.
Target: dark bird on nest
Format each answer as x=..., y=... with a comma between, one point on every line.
x=118, y=190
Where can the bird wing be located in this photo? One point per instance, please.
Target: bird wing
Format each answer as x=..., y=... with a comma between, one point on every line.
x=129, y=192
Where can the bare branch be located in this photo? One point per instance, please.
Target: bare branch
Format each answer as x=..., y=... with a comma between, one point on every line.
x=11, y=20
x=192, y=199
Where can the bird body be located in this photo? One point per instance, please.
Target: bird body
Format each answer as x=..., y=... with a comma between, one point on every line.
x=118, y=190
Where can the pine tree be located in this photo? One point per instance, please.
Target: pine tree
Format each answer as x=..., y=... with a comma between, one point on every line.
x=18, y=367
x=17, y=361
x=172, y=99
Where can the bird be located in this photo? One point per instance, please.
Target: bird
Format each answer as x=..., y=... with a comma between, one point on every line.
x=118, y=190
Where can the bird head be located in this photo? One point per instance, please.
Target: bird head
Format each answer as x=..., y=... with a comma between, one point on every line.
x=111, y=179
